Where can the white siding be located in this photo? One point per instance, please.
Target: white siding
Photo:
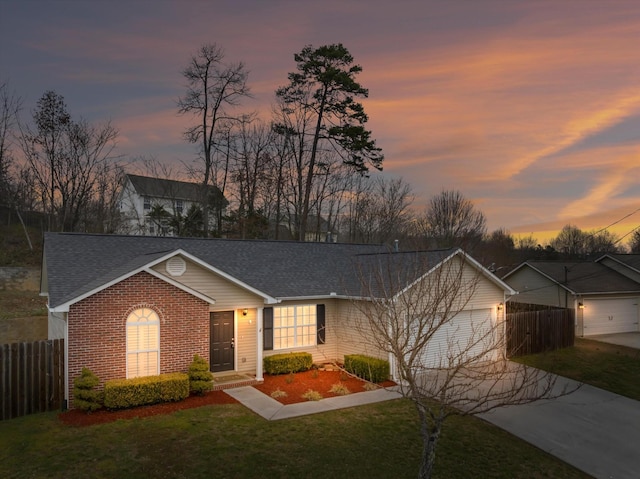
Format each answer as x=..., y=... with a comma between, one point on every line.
x=246, y=341
x=533, y=288
x=321, y=353
x=227, y=295
x=351, y=339
x=56, y=325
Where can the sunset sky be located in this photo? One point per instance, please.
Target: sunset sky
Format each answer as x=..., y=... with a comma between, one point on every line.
x=530, y=108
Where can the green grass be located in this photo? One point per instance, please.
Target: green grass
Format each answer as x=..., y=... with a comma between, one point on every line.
x=607, y=366
x=378, y=440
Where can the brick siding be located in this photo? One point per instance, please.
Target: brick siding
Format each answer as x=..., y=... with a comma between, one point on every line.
x=97, y=327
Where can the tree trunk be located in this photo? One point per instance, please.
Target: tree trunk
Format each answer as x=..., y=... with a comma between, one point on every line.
x=430, y=433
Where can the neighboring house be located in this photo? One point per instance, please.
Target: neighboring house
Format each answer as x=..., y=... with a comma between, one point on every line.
x=605, y=300
x=140, y=194
x=132, y=306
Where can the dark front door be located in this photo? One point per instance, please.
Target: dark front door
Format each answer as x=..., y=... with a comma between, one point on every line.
x=222, y=342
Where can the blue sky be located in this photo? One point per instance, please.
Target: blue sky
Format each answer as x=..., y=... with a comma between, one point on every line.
x=529, y=108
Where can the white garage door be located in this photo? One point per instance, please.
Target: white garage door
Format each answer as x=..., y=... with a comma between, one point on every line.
x=469, y=334
x=606, y=316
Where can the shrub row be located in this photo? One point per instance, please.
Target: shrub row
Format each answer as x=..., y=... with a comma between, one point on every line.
x=367, y=367
x=125, y=393
x=287, y=363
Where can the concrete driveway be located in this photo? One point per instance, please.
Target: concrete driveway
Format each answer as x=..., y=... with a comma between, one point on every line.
x=631, y=340
x=594, y=430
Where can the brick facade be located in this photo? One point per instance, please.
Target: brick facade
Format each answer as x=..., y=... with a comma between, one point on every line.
x=97, y=327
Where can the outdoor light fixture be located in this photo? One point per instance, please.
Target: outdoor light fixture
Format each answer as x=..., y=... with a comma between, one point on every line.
x=245, y=311
x=500, y=306
x=580, y=306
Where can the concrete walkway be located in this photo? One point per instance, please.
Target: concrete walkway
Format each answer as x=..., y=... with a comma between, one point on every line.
x=594, y=430
x=272, y=410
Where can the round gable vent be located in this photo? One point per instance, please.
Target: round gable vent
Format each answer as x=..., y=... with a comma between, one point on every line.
x=176, y=266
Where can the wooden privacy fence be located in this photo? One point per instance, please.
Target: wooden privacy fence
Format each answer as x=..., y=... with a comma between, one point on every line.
x=530, y=332
x=31, y=377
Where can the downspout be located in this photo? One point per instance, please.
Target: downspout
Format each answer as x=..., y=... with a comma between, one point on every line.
x=65, y=404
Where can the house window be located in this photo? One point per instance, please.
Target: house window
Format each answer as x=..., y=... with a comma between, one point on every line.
x=179, y=206
x=294, y=326
x=146, y=201
x=143, y=343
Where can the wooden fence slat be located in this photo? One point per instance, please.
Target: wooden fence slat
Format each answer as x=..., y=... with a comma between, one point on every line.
x=31, y=377
x=530, y=332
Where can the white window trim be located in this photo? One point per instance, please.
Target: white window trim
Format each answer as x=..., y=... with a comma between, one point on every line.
x=137, y=323
x=296, y=326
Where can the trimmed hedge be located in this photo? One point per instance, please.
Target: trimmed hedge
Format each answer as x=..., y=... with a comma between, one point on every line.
x=126, y=393
x=200, y=378
x=367, y=367
x=287, y=363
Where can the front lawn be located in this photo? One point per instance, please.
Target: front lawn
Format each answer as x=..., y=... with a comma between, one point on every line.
x=378, y=440
x=606, y=366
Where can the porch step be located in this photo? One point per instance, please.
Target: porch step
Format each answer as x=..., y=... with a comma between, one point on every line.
x=235, y=381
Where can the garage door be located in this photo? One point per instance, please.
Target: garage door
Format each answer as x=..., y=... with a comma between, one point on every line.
x=606, y=316
x=469, y=334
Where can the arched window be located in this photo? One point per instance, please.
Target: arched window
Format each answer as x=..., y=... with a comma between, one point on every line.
x=143, y=343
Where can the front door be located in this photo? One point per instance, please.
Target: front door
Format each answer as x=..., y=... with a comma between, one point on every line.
x=222, y=342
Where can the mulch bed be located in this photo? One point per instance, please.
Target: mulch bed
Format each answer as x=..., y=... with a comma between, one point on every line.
x=321, y=381
x=76, y=417
x=294, y=385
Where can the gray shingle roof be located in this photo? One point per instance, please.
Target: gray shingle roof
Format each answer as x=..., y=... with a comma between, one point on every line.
x=586, y=277
x=173, y=189
x=79, y=263
x=631, y=260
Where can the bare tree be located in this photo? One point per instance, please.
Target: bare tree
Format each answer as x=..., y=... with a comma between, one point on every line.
x=452, y=220
x=634, y=242
x=449, y=356
x=382, y=213
x=66, y=159
x=10, y=106
x=214, y=88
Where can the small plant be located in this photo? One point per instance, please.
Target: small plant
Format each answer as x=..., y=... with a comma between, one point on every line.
x=339, y=389
x=200, y=378
x=312, y=395
x=85, y=396
x=290, y=378
x=278, y=393
x=370, y=386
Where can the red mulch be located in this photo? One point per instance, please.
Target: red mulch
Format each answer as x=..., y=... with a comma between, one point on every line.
x=76, y=417
x=320, y=381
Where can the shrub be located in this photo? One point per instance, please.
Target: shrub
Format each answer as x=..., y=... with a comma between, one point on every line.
x=339, y=389
x=85, y=396
x=312, y=395
x=125, y=393
x=287, y=363
x=367, y=367
x=200, y=378
x=278, y=393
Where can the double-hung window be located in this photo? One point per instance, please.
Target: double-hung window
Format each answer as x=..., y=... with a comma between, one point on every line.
x=294, y=326
x=143, y=343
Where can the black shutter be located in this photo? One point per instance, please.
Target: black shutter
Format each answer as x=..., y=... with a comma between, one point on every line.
x=267, y=329
x=320, y=323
